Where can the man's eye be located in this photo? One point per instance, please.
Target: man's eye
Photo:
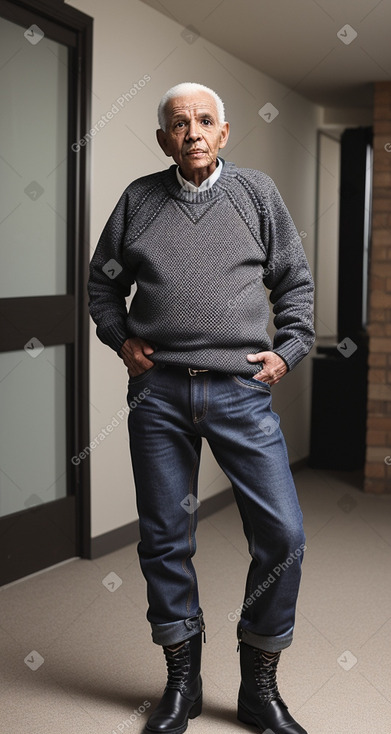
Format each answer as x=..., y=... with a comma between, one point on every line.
x=179, y=124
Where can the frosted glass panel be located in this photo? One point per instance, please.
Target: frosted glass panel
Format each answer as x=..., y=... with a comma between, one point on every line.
x=32, y=428
x=33, y=163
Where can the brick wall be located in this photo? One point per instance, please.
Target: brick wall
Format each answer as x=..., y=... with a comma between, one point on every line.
x=377, y=469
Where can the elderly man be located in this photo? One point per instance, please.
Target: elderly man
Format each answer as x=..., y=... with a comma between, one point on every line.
x=201, y=240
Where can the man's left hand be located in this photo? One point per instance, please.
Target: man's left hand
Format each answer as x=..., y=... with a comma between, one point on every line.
x=273, y=368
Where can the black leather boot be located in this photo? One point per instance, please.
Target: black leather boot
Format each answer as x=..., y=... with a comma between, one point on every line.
x=182, y=697
x=260, y=703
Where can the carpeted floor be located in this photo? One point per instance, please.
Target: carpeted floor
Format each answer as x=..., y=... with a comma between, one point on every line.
x=77, y=657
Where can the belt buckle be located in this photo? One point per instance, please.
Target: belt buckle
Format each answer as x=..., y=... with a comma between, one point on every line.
x=193, y=373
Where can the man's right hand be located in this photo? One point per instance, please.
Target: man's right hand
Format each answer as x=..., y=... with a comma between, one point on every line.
x=134, y=354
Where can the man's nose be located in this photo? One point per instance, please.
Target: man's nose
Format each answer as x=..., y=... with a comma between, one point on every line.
x=193, y=132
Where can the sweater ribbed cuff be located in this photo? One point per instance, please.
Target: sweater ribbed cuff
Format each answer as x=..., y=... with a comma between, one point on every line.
x=114, y=335
x=292, y=352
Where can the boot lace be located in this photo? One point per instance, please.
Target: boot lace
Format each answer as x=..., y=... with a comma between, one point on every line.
x=178, y=667
x=265, y=669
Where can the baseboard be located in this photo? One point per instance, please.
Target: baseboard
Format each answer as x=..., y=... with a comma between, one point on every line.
x=299, y=465
x=125, y=535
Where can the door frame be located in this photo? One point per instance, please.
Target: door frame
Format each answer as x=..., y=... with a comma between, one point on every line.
x=64, y=319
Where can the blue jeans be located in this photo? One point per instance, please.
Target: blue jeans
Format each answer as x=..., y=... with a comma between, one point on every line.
x=170, y=411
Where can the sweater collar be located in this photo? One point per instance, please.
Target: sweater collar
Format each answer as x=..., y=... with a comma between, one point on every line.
x=175, y=189
x=206, y=184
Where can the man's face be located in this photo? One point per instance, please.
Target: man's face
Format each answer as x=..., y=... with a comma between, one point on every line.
x=193, y=134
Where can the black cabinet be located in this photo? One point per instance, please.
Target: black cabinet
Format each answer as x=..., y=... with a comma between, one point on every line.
x=338, y=414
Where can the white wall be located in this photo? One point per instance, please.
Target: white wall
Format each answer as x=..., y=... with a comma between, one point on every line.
x=132, y=40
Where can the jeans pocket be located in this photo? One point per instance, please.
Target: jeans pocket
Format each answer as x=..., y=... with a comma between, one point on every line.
x=142, y=377
x=250, y=384
x=249, y=401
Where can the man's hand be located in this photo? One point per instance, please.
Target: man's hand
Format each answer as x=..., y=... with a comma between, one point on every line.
x=273, y=368
x=134, y=354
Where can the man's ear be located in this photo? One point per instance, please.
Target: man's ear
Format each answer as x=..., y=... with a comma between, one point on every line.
x=224, y=135
x=163, y=142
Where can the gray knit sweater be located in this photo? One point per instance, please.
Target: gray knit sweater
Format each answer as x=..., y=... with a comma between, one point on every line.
x=200, y=262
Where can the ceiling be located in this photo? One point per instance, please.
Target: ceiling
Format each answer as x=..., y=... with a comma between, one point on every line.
x=296, y=41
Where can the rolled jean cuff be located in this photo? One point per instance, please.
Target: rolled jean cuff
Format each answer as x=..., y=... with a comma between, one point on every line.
x=174, y=632
x=268, y=643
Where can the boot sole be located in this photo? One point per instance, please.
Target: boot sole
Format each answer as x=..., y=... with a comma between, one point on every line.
x=247, y=718
x=195, y=711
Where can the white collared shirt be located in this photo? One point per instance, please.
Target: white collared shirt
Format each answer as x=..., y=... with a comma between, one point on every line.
x=207, y=184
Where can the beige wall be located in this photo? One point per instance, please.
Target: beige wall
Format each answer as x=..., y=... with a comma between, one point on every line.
x=130, y=41
x=326, y=302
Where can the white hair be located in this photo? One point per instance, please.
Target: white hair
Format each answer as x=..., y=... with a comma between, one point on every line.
x=185, y=89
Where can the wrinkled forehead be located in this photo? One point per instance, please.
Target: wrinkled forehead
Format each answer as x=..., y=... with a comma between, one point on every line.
x=202, y=102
